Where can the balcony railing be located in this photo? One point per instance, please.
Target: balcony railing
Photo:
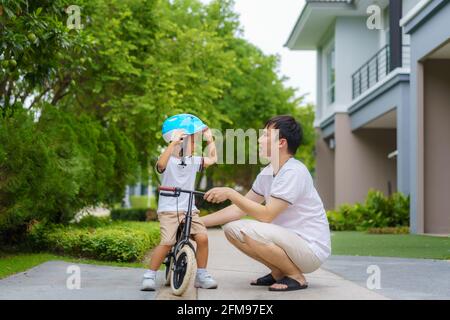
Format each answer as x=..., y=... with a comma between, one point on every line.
x=375, y=70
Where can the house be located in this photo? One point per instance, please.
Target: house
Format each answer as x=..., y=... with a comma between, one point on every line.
x=383, y=102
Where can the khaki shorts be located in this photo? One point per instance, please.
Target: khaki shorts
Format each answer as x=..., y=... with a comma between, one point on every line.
x=295, y=246
x=168, y=224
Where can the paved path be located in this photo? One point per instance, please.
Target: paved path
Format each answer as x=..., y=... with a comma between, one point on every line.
x=48, y=281
x=399, y=278
x=341, y=277
x=234, y=271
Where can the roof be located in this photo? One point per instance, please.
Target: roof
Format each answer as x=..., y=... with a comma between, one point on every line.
x=318, y=15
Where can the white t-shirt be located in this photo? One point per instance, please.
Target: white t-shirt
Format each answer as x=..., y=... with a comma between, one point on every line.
x=177, y=175
x=305, y=214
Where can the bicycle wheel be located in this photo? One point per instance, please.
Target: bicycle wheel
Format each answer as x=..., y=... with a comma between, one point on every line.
x=184, y=270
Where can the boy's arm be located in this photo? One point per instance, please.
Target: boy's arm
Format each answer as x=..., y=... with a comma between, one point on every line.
x=212, y=154
x=161, y=164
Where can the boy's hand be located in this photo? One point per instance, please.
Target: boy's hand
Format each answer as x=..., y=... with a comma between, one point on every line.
x=177, y=137
x=208, y=135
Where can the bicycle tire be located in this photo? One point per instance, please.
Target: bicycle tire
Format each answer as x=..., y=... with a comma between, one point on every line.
x=184, y=270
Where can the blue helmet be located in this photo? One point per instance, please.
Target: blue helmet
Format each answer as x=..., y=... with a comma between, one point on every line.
x=187, y=122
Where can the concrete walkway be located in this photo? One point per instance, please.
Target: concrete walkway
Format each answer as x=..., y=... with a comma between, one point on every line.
x=341, y=277
x=399, y=278
x=234, y=271
x=48, y=281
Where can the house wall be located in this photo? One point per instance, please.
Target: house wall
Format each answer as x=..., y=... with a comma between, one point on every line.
x=355, y=44
x=420, y=28
x=361, y=161
x=324, y=175
x=436, y=146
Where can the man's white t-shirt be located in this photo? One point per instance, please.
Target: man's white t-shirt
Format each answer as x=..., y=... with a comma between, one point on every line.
x=181, y=176
x=305, y=214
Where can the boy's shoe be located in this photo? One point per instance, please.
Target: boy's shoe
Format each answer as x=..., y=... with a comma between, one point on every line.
x=148, y=283
x=205, y=281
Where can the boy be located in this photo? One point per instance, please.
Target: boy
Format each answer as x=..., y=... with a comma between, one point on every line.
x=178, y=171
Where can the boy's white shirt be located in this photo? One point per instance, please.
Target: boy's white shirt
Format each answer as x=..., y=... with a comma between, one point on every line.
x=305, y=214
x=177, y=175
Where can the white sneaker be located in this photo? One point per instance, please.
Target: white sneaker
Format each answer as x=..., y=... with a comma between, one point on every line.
x=205, y=281
x=148, y=283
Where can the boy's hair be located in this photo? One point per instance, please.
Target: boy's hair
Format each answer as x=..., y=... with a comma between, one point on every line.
x=289, y=129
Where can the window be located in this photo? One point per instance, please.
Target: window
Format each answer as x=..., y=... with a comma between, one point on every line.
x=331, y=75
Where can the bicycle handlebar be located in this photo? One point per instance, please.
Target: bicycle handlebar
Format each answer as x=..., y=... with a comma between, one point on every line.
x=176, y=191
x=161, y=188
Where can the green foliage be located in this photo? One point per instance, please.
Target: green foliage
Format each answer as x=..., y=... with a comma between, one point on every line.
x=81, y=110
x=90, y=221
x=123, y=242
x=52, y=168
x=133, y=214
x=389, y=230
x=378, y=211
x=39, y=56
x=140, y=202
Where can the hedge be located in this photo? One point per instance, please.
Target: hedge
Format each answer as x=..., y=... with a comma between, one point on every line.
x=119, y=241
x=134, y=215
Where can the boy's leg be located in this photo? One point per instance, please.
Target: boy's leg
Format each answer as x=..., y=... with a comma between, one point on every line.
x=168, y=225
x=202, y=249
x=158, y=256
x=203, y=279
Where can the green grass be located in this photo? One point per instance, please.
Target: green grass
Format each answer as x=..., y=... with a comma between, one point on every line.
x=139, y=202
x=390, y=245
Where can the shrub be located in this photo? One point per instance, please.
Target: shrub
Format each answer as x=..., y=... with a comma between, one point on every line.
x=121, y=242
x=378, y=211
x=389, y=230
x=134, y=214
x=93, y=221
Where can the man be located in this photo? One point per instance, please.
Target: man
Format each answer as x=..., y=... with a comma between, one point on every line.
x=290, y=232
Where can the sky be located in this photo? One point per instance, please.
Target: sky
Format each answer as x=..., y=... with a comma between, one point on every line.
x=268, y=24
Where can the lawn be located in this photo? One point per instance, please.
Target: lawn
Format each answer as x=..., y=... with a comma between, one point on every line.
x=390, y=245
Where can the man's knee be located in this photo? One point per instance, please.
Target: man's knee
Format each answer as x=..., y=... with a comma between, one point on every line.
x=232, y=230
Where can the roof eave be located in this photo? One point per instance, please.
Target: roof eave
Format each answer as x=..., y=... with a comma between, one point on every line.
x=304, y=19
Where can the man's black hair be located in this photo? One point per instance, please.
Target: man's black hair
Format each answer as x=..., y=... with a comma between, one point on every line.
x=289, y=129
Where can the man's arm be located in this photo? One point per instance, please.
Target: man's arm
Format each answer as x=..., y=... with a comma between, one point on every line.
x=263, y=213
x=230, y=213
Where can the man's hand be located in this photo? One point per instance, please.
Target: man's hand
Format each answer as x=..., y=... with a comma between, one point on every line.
x=218, y=195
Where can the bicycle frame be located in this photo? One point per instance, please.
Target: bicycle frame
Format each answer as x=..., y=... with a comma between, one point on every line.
x=176, y=192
